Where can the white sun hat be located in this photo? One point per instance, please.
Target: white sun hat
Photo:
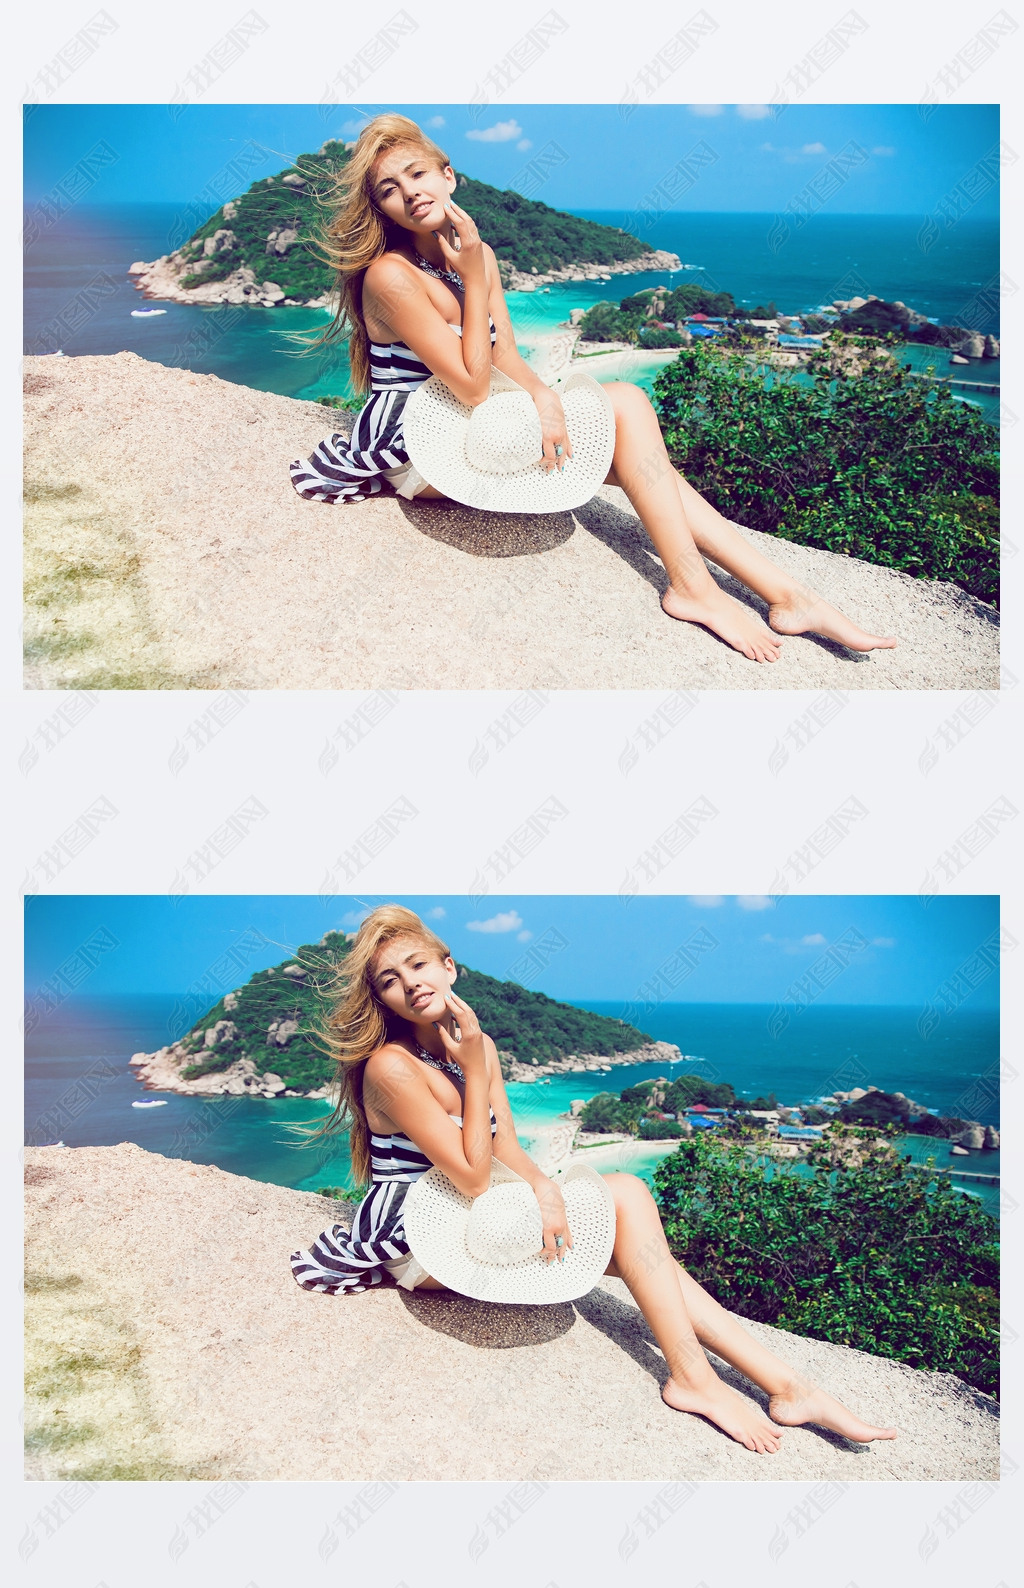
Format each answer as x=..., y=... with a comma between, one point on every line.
x=490, y=456
x=490, y=1247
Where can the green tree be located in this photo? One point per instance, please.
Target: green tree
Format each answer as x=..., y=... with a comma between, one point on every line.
x=882, y=1257
x=681, y=1094
x=660, y=1129
x=606, y=1113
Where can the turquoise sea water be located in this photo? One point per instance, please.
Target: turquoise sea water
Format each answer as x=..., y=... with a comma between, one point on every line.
x=80, y=1089
x=78, y=296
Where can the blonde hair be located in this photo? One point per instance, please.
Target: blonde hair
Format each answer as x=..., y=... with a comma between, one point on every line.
x=358, y=232
x=358, y=1023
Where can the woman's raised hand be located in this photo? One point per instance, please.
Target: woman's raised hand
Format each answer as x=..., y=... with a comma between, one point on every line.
x=469, y=260
x=468, y=1048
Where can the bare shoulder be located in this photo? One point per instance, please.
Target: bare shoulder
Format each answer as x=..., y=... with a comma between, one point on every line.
x=389, y=273
x=390, y=1063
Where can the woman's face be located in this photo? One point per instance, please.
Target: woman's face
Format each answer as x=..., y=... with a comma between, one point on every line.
x=411, y=981
x=411, y=189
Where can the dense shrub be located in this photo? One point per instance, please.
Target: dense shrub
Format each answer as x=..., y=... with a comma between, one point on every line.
x=656, y=336
x=659, y=1129
x=607, y=1113
x=875, y=466
x=689, y=1089
x=881, y=1257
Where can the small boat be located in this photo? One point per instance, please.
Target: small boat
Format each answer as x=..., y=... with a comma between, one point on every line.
x=158, y=1102
x=146, y=314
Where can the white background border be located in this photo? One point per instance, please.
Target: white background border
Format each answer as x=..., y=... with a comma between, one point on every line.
x=722, y=752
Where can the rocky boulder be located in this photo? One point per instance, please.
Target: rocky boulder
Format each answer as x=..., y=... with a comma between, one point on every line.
x=223, y=1032
x=221, y=242
x=279, y=242
x=282, y=1031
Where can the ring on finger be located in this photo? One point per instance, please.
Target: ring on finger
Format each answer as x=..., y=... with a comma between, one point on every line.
x=559, y=1240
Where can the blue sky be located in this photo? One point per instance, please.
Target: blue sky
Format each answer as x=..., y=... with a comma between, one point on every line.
x=609, y=950
x=595, y=158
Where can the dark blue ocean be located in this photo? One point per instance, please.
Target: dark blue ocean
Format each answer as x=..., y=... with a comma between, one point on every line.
x=79, y=298
x=79, y=1087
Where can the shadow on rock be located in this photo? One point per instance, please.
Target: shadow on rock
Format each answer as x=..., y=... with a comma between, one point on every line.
x=485, y=1323
x=482, y=534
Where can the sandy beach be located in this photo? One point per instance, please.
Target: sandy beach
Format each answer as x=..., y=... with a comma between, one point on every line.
x=553, y=1145
x=558, y=353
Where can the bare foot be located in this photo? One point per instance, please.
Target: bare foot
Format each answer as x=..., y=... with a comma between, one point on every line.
x=800, y=614
x=739, y=1418
x=726, y=617
x=815, y=1406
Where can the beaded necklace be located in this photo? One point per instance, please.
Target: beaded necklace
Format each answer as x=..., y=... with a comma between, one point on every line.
x=439, y=1064
x=451, y=276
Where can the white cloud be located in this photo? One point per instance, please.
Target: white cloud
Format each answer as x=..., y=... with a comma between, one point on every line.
x=525, y=143
x=355, y=917
x=753, y=112
x=707, y=901
x=434, y=121
x=706, y=110
x=505, y=921
x=437, y=913
x=883, y=942
x=769, y=146
x=813, y=148
x=501, y=132
x=755, y=901
x=523, y=937
x=813, y=940
x=352, y=129
x=883, y=148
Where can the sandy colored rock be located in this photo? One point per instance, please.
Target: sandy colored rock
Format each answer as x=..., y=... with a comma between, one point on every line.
x=166, y=548
x=167, y=1338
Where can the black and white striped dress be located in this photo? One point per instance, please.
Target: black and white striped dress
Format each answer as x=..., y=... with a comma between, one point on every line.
x=342, y=1260
x=349, y=469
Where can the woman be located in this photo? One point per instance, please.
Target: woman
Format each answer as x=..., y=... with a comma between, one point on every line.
x=420, y=1084
x=412, y=269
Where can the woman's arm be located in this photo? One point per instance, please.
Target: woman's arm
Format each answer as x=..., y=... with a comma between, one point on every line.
x=401, y=300
x=397, y=1085
x=509, y=360
x=508, y=1151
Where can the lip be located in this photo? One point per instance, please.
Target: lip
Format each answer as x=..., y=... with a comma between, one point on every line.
x=423, y=1000
x=421, y=209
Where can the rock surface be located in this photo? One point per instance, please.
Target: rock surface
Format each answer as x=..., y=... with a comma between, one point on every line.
x=166, y=548
x=166, y=1338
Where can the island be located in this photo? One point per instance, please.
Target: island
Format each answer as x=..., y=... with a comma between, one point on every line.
x=263, y=1039
x=263, y=248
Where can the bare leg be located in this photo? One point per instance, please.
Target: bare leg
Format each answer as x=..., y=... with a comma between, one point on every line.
x=641, y=466
x=793, y=607
x=791, y=1399
x=642, y=1258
